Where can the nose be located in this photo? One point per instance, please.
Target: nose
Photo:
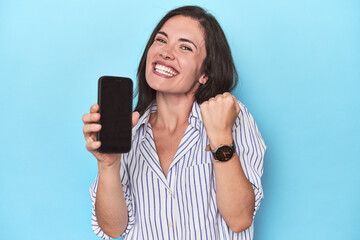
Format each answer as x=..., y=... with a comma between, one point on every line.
x=167, y=53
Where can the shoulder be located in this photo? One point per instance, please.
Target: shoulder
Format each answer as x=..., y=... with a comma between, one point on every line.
x=245, y=127
x=245, y=121
x=244, y=115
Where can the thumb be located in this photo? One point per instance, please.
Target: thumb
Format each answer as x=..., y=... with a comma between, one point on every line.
x=135, y=118
x=237, y=107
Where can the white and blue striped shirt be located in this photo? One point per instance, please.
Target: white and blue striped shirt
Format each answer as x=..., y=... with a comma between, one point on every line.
x=182, y=205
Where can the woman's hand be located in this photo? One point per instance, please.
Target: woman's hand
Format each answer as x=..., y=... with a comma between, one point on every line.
x=91, y=128
x=219, y=115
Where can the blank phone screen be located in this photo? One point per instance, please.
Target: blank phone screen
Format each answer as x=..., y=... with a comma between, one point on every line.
x=115, y=102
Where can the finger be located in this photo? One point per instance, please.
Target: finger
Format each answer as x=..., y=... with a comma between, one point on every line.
x=237, y=106
x=93, y=146
x=91, y=117
x=225, y=94
x=86, y=118
x=222, y=95
x=219, y=96
x=94, y=108
x=92, y=137
x=212, y=99
x=90, y=131
x=204, y=103
x=91, y=128
x=135, y=118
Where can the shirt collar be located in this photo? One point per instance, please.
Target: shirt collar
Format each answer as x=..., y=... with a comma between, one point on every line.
x=144, y=119
x=195, y=119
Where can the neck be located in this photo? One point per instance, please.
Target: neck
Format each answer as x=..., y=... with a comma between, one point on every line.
x=172, y=112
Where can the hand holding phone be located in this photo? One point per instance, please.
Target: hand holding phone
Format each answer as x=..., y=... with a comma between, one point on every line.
x=91, y=128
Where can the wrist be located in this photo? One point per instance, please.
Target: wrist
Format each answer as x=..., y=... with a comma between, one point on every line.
x=106, y=167
x=220, y=140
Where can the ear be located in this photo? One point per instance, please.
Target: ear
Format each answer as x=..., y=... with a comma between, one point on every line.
x=203, y=79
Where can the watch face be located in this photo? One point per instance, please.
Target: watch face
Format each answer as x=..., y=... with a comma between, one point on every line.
x=224, y=153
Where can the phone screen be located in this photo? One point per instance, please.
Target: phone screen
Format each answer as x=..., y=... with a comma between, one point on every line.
x=115, y=103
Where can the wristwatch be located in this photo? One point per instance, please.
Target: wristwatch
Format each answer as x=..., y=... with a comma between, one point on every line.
x=222, y=153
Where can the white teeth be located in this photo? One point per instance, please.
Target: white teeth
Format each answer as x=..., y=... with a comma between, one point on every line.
x=165, y=73
x=164, y=70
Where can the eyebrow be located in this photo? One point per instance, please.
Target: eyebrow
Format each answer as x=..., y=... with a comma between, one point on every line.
x=180, y=39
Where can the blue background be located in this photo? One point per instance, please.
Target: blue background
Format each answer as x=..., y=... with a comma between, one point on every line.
x=299, y=64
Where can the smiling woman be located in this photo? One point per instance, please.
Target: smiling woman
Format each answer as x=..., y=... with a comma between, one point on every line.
x=218, y=64
x=173, y=184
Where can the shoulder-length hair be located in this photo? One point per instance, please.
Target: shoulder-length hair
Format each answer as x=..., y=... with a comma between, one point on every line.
x=218, y=64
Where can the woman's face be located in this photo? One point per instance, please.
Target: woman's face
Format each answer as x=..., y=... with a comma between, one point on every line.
x=174, y=60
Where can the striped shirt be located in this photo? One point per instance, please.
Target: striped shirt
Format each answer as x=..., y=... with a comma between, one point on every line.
x=182, y=204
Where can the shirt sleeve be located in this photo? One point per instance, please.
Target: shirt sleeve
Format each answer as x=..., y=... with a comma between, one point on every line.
x=251, y=149
x=95, y=226
x=128, y=199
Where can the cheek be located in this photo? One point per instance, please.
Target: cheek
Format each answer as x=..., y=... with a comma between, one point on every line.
x=149, y=58
x=151, y=52
x=193, y=68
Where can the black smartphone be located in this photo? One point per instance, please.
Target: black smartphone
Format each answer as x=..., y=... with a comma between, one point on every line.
x=115, y=96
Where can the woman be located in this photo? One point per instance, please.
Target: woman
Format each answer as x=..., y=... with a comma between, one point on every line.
x=196, y=159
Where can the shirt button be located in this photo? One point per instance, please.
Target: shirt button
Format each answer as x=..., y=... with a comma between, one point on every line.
x=170, y=224
x=169, y=192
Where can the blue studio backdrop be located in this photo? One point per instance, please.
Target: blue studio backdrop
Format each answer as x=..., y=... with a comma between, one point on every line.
x=299, y=68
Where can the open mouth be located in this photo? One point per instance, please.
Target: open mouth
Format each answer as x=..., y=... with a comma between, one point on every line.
x=165, y=70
